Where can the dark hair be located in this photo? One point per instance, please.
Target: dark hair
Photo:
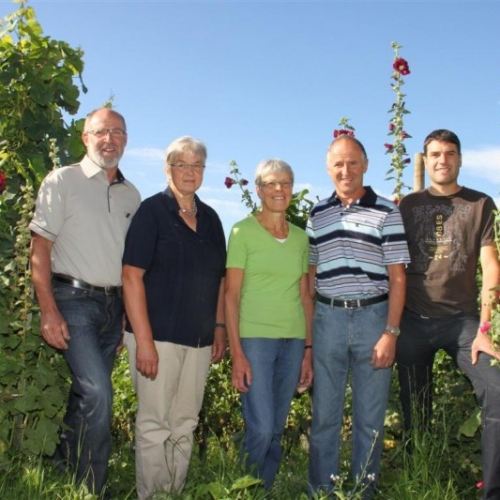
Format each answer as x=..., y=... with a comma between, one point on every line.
x=442, y=135
x=346, y=137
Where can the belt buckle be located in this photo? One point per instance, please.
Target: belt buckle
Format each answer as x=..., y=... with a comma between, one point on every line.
x=347, y=304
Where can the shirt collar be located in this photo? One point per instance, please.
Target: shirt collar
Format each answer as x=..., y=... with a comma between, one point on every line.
x=369, y=199
x=173, y=204
x=90, y=169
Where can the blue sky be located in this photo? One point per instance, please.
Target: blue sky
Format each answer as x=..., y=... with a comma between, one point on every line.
x=258, y=80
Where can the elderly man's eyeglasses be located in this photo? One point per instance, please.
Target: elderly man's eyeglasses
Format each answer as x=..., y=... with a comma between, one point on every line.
x=185, y=166
x=274, y=185
x=100, y=133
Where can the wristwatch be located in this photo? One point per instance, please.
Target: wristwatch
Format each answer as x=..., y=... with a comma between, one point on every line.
x=393, y=329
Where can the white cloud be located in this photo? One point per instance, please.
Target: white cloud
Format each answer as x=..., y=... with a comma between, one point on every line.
x=147, y=155
x=484, y=163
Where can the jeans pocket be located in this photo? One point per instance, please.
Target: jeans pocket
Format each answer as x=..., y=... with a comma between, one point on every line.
x=64, y=292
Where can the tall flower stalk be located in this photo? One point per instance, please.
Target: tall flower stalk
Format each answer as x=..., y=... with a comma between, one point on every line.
x=397, y=148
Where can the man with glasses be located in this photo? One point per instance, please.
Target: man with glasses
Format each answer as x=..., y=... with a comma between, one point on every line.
x=82, y=215
x=357, y=256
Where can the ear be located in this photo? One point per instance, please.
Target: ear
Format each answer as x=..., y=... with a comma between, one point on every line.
x=85, y=138
x=258, y=191
x=365, y=167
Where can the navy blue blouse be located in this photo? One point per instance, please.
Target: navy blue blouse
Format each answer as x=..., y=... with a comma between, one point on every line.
x=183, y=268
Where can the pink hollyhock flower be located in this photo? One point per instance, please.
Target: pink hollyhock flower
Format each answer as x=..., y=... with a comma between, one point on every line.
x=244, y=182
x=3, y=182
x=479, y=485
x=401, y=66
x=391, y=127
x=338, y=133
x=485, y=327
x=229, y=182
x=407, y=160
x=389, y=147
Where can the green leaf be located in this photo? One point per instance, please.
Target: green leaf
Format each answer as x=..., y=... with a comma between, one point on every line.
x=472, y=424
x=245, y=482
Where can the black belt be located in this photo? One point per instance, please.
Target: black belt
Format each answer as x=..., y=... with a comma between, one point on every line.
x=349, y=303
x=68, y=280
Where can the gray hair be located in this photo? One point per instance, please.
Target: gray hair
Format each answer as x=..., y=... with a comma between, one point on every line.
x=183, y=144
x=112, y=111
x=266, y=167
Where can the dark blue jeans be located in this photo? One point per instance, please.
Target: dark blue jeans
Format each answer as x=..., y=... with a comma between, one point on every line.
x=95, y=325
x=276, y=365
x=420, y=340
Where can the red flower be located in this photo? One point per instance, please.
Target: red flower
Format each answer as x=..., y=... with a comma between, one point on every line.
x=338, y=133
x=389, y=147
x=407, y=160
x=229, y=182
x=485, y=327
x=479, y=485
x=391, y=127
x=244, y=182
x=3, y=182
x=401, y=66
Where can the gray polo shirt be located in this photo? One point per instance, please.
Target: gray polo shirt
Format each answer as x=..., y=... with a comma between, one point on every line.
x=87, y=219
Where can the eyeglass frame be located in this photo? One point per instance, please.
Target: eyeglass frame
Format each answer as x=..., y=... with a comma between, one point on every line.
x=183, y=166
x=101, y=133
x=274, y=185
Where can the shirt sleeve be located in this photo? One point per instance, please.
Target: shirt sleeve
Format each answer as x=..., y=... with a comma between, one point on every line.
x=236, y=250
x=50, y=208
x=488, y=222
x=142, y=235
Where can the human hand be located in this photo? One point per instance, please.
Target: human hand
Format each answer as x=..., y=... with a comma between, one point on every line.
x=384, y=351
x=306, y=372
x=147, y=359
x=54, y=329
x=241, y=373
x=482, y=343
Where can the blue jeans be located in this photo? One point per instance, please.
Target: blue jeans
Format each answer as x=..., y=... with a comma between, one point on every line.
x=343, y=341
x=420, y=340
x=95, y=326
x=276, y=365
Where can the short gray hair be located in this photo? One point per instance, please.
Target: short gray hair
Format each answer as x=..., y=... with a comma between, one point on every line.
x=266, y=167
x=183, y=144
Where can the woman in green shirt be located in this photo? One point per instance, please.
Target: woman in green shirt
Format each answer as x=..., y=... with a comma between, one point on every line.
x=268, y=317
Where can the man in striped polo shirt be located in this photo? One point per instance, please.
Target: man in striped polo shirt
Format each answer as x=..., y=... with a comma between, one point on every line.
x=358, y=252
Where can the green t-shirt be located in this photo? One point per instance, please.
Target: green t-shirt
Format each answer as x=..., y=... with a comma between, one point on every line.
x=270, y=305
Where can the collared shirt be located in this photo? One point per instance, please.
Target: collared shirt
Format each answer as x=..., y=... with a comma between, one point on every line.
x=351, y=246
x=183, y=268
x=87, y=219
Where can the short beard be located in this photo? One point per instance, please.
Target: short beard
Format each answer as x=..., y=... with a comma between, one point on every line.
x=103, y=162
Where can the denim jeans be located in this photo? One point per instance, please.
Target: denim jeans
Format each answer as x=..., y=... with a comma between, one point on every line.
x=276, y=365
x=343, y=340
x=420, y=339
x=95, y=326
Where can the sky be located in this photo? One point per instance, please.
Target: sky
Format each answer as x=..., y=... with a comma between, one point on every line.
x=271, y=79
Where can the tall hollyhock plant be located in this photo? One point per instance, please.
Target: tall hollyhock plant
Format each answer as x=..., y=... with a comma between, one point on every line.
x=396, y=148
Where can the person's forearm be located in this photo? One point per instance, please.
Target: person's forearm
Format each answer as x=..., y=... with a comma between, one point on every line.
x=41, y=274
x=134, y=297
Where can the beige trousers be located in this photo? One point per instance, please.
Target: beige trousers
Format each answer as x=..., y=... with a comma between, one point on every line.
x=167, y=414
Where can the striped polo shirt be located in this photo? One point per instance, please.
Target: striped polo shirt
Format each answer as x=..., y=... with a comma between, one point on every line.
x=351, y=246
